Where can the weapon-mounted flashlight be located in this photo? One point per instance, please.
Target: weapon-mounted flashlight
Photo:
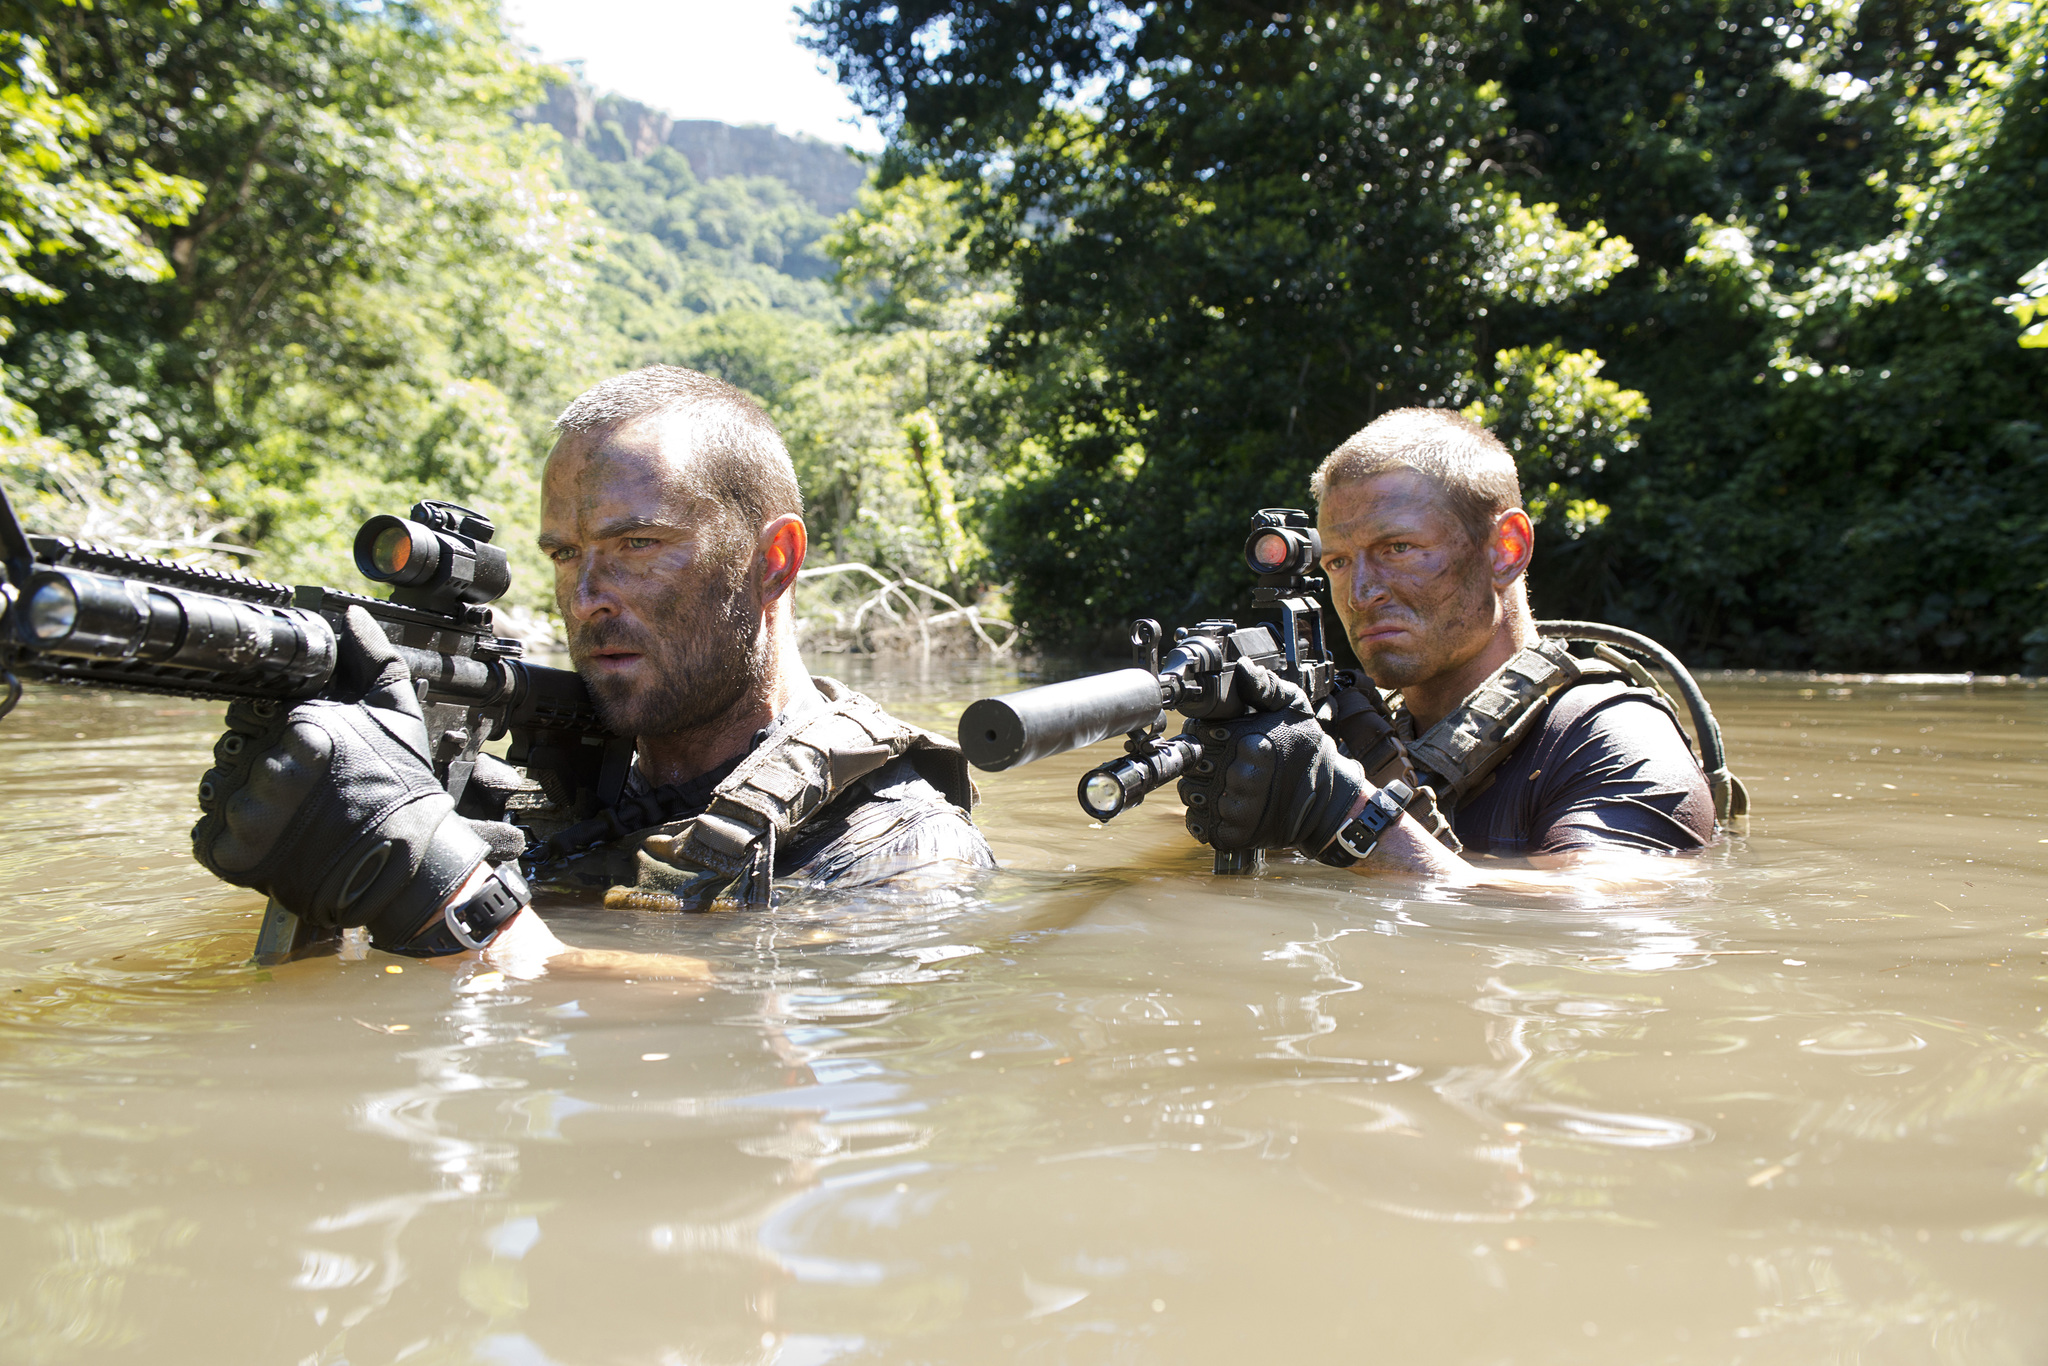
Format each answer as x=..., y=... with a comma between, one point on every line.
x=52, y=609
x=1102, y=795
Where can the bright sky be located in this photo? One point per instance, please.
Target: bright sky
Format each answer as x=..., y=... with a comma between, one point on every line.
x=732, y=60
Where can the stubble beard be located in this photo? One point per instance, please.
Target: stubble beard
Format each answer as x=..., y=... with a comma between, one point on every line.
x=706, y=657
x=1447, y=631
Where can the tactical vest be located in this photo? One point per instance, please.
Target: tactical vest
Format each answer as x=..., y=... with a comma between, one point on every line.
x=1454, y=758
x=728, y=850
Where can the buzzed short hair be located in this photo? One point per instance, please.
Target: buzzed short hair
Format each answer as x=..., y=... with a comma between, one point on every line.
x=740, y=462
x=1464, y=460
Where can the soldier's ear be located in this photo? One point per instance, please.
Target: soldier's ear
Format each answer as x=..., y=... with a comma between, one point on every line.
x=784, y=542
x=1514, y=541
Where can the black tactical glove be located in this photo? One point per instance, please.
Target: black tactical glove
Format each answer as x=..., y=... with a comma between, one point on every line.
x=333, y=809
x=492, y=785
x=1270, y=780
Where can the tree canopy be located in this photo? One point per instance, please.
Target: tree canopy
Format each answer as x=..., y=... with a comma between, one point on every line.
x=1757, y=295
x=1736, y=282
x=347, y=276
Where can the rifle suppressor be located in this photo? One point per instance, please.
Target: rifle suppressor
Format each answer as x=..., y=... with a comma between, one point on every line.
x=1002, y=732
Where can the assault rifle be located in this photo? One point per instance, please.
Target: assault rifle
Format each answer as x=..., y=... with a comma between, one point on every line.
x=1200, y=680
x=99, y=617
x=1197, y=677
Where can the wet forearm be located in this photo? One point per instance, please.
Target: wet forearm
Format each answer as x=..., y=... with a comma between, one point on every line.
x=1407, y=848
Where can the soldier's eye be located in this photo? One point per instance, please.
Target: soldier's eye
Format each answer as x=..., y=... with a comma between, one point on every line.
x=639, y=542
x=562, y=554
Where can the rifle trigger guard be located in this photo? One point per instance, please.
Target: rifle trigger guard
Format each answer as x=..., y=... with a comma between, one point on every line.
x=13, y=686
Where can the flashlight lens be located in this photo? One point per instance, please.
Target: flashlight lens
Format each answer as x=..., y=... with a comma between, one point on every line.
x=52, y=610
x=392, y=550
x=1103, y=795
x=1270, y=551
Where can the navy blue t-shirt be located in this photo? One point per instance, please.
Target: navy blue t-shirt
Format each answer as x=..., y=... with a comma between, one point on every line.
x=1606, y=767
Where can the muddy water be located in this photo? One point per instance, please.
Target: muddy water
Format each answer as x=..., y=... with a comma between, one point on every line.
x=1104, y=1109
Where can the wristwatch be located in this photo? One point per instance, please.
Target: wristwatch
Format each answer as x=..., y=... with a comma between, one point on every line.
x=472, y=922
x=1361, y=834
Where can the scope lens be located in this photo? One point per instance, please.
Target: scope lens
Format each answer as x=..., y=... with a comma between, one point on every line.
x=1102, y=795
x=1271, y=550
x=392, y=550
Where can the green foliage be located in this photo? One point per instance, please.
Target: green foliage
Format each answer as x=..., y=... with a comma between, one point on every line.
x=724, y=275
x=902, y=439
x=1791, y=236
x=1564, y=423
x=925, y=447
x=57, y=200
x=1845, y=464
x=377, y=296
x=1260, y=235
x=2030, y=305
x=54, y=202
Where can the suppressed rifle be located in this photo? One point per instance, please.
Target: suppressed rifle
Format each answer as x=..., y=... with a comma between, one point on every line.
x=99, y=617
x=1197, y=677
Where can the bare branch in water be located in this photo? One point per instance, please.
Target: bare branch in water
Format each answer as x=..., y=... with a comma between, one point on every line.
x=886, y=615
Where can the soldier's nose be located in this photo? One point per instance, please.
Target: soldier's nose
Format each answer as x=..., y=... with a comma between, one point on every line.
x=589, y=600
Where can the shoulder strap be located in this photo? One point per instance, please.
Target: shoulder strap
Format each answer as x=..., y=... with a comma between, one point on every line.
x=1458, y=752
x=794, y=775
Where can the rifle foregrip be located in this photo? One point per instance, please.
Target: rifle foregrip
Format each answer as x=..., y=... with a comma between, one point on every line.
x=1003, y=732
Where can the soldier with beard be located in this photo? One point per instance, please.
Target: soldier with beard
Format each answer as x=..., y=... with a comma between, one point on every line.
x=1525, y=750
x=671, y=513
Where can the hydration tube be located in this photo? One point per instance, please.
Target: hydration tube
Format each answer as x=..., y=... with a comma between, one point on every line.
x=1731, y=799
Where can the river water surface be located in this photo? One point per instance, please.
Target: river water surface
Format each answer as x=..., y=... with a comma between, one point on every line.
x=1106, y=1108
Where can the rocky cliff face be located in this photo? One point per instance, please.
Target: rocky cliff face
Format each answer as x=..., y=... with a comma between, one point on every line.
x=618, y=129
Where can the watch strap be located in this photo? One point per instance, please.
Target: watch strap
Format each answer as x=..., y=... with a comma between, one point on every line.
x=471, y=923
x=1359, y=836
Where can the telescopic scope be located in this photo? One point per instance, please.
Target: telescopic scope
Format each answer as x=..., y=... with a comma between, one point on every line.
x=1286, y=545
x=440, y=558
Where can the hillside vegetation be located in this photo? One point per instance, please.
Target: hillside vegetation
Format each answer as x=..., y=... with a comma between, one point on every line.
x=1757, y=294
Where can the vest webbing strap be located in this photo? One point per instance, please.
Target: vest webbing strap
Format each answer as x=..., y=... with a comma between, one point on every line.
x=1360, y=717
x=793, y=776
x=1457, y=753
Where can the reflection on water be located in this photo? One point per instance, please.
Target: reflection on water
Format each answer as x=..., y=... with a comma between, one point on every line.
x=1104, y=1108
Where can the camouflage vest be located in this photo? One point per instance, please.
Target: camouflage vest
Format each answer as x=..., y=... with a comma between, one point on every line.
x=1454, y=757
x=727, y=852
